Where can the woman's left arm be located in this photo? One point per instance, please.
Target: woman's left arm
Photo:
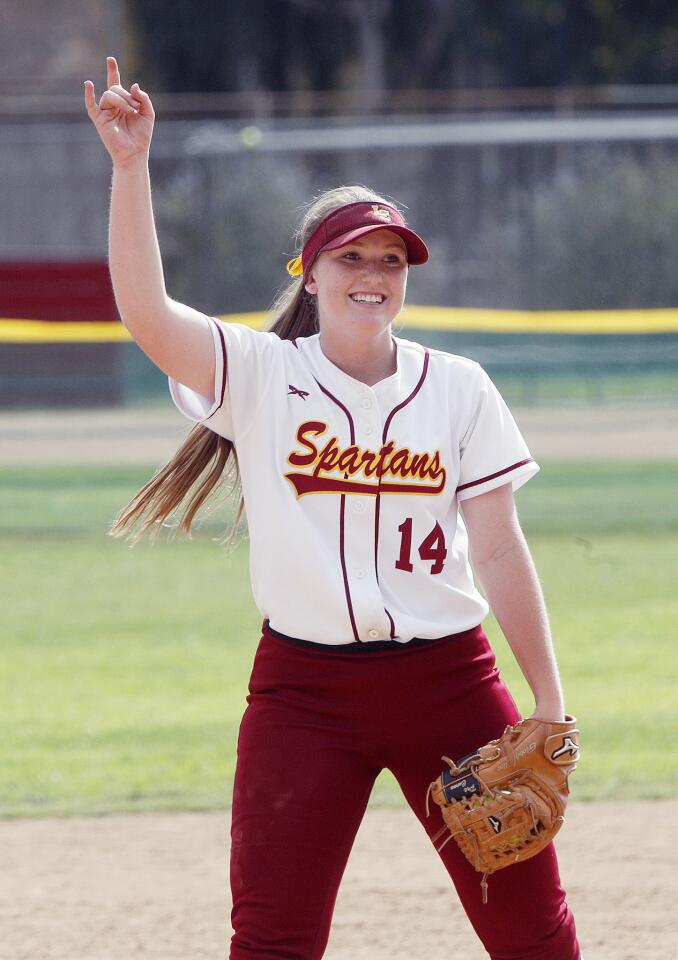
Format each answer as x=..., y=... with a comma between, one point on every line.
x=504, y=567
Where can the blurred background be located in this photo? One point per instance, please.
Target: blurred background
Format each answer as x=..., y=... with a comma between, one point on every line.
x=533, y=144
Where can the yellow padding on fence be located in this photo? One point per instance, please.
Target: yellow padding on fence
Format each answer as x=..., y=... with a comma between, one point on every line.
x=39, y=331
x=424, y=318
x=532, y=321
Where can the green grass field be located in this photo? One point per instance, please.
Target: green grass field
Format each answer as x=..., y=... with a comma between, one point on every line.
x=124, y=671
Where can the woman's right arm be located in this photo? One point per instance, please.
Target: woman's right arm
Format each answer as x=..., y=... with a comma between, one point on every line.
x=176, y=337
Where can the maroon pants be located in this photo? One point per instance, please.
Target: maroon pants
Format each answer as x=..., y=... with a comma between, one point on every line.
x=320, y=724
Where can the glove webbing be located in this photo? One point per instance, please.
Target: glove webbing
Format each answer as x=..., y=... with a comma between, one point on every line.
x=488, y=791
x=445, y=829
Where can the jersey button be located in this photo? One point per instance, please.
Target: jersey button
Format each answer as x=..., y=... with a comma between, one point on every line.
x=366, y=403
x=373, y=634
x=359, y=506
x=360, y=574
x=367, y=428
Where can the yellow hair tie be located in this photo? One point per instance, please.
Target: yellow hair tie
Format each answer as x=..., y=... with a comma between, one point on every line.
x=295, y=267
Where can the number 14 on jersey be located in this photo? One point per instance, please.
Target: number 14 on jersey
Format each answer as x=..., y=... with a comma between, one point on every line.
x=432, y=548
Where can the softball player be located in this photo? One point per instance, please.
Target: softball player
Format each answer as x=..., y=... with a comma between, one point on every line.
x=374, y=471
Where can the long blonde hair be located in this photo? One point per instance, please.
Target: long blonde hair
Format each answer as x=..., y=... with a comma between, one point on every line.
x=205, y=460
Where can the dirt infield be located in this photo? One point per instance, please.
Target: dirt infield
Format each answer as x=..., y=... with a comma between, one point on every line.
x=156, y=886
x=130, y=436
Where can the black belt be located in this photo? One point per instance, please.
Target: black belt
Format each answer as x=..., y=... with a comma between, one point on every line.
x=365, y=646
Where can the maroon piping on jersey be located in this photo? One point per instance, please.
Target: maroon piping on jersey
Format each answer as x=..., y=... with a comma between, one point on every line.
x=491, y=476
x=342, y=511
x=223, y=370
x=378, y=496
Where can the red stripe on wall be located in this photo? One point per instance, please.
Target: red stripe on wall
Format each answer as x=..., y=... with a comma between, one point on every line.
x=58, y=291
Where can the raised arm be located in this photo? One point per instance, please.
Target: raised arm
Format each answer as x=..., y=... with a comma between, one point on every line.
x=503, y=565
x=176, y=337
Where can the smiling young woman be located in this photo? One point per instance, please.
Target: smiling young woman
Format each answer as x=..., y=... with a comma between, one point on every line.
x=360, y=290
x=375, y=472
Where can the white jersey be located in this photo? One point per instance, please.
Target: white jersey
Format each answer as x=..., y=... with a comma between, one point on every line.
x=352, y=491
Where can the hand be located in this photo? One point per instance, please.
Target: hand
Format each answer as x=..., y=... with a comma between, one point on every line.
x=123, y=119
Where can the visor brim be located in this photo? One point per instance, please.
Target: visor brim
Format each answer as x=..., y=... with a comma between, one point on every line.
x=417, y=251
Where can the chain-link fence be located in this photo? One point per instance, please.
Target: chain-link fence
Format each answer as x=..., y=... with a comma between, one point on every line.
x=522, y=213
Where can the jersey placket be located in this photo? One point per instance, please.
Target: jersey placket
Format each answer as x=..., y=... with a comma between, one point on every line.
x=369, y=619
x=373, y=619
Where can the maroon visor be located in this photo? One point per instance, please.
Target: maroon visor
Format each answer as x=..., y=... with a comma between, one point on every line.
x=351, y=221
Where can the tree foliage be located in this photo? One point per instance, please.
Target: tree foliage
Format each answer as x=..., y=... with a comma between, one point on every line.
x=283, y=45
x=602, y=238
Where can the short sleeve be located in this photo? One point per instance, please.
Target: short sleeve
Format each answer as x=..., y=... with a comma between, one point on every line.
x=244, y=362
x=493, y=451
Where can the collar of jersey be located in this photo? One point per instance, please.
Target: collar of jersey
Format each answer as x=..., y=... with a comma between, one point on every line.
x=327, y=369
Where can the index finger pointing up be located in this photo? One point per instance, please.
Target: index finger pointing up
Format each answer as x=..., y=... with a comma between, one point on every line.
x=112, y=71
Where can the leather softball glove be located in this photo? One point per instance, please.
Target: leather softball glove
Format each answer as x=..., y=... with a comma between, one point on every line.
x=506, y=801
